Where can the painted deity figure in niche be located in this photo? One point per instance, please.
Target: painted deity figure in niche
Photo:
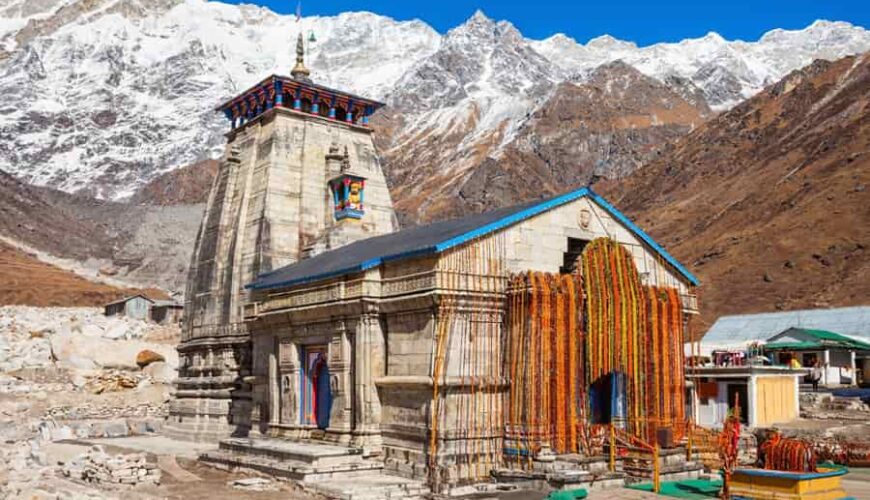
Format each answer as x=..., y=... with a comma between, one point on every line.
x=354, y=198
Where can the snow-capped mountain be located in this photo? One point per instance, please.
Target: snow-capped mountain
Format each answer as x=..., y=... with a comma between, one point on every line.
x=728, y=72
x=102, y=96
x=104, y=101
x=461, y=105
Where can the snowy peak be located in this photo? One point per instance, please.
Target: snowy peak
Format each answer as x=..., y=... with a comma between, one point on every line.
x=607, y=42
x=727, y=72
x=480, y=58
x=109, y=94
x=108, y=101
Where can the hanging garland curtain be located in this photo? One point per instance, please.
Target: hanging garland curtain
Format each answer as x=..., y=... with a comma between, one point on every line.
x=565, y=333
x=616, y=324
x=546, y=400
x=666, y=380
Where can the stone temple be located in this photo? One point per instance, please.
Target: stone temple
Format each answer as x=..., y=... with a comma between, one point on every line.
x=295, y=148
x=322, y=343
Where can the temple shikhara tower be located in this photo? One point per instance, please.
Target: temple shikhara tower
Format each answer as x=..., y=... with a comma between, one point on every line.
x=321, y=343
x=300, y=176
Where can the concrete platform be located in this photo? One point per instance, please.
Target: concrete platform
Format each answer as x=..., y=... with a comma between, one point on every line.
x=301, y=461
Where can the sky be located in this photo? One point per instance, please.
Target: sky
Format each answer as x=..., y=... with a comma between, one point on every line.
x=639, y=21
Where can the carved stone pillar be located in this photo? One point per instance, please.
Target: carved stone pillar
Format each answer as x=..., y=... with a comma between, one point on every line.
x=368, y=366
x=260, y=381
x=274, y=389
x=289, y=369
x=340, y=353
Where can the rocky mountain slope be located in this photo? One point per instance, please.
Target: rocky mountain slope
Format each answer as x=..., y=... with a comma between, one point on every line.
x=29, y=281
x=103, y=96
x=769, y=202
x=125, y=244
x=605, y=125
x=182, y=186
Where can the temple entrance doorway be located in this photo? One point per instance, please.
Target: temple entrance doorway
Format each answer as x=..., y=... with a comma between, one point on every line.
x=316, y=403
x=607, y=400
x=323, y=395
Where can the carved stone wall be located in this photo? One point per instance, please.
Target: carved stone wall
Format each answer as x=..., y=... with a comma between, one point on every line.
x=269, y=202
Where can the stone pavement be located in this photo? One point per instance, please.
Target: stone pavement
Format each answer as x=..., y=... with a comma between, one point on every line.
x=857, y=483
x=622, y=494
x=158, y=445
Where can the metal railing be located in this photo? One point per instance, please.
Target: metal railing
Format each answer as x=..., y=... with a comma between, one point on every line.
x=619, y=437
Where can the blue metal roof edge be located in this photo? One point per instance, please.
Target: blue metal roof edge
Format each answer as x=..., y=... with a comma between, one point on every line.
x=491, y=227
x=645, y=237
x=512, y=219
x=307, y=279
x=369, y=264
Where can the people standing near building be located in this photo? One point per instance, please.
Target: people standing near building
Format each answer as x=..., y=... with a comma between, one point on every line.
x=816, y=376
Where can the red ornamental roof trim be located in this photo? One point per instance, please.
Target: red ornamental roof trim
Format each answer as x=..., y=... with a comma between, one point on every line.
x=292, y=86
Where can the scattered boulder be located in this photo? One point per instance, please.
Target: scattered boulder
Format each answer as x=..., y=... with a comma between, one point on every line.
x=116, y=330
x=79, y=363
x=147, y=356
x=254, y=484
x=160, y=372
x=92, y=330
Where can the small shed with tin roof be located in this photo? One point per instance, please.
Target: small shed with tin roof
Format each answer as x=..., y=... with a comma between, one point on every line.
x=135, y=306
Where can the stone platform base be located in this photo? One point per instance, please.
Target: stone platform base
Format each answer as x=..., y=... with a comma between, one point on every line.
x=197, y=431
x=299, y=461
x=560, y=480
x=568, y=472
x=673, y=466
x=372, y=486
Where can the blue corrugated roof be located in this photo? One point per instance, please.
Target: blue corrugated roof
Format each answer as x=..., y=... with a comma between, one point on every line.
x=436, y=238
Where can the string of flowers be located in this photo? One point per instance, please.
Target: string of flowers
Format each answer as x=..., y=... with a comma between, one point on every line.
x=788, y=454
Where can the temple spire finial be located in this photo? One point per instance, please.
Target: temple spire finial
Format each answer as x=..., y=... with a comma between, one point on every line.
x=300, y=72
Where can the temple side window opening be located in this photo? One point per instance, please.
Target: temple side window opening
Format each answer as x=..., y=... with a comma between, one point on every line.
x=575, y=249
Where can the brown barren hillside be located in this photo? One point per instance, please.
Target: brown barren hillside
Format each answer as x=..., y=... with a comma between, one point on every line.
x=769, y=203
x=607, y=125
x=28, y=281
x=183, y=186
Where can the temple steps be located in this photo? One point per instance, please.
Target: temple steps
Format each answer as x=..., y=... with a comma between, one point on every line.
x=299, y=461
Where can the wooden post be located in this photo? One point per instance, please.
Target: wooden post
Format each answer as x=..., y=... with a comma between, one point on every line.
x=688, y=441
x=612, y=449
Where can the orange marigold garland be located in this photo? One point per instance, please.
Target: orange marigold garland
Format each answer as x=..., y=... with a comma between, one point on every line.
x=785, y=454
x=545, y=365
x=728, y=441
x=616, y=323
x=666, y=382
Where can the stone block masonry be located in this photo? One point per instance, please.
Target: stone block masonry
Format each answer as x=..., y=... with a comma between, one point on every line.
x=270, y=205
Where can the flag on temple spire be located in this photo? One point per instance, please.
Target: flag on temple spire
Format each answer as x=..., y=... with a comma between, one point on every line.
x=298, y=10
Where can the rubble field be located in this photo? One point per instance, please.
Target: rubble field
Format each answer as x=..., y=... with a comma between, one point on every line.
x=83, y=398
